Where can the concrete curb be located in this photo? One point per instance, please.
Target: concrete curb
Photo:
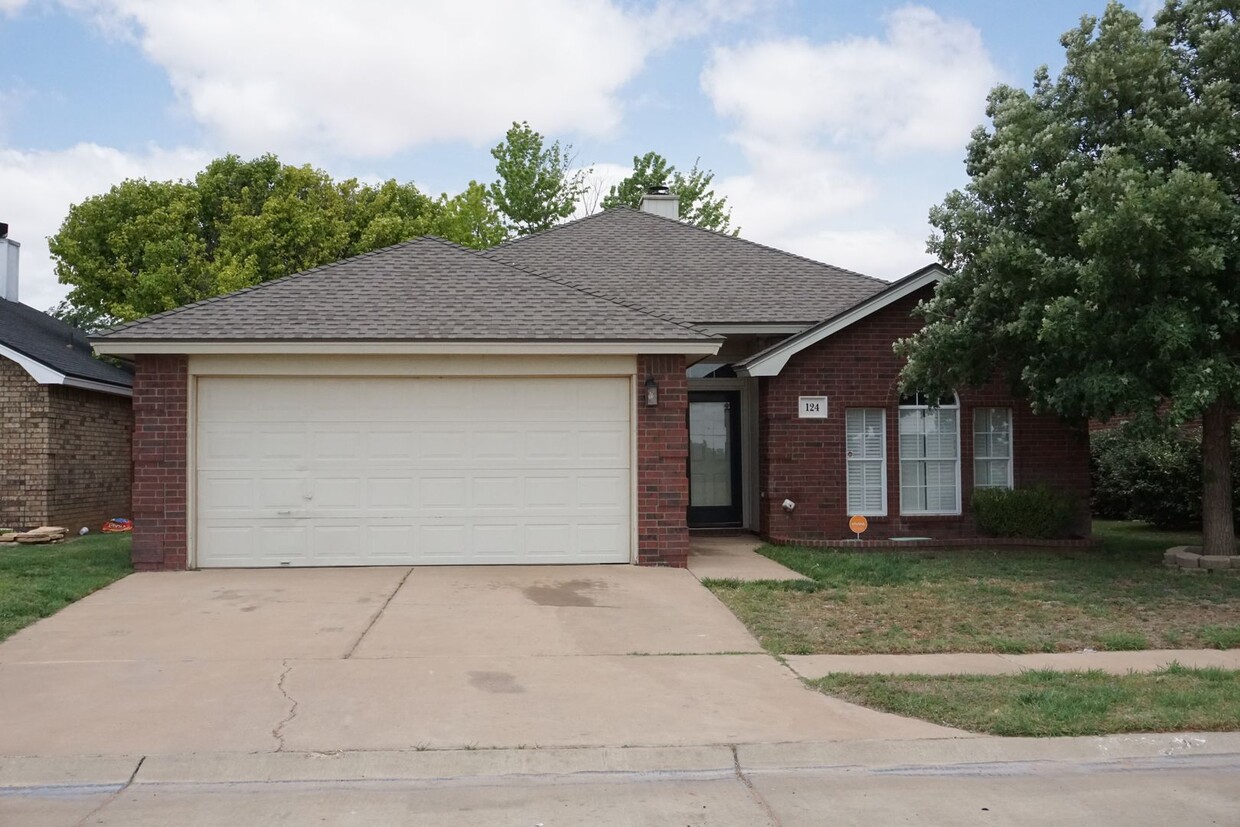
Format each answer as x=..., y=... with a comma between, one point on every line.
x=706, y=761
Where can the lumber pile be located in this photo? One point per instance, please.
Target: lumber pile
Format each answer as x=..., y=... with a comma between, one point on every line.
x=36, y=536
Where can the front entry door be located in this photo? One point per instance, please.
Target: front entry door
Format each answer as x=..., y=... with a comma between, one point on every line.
x=714, y=459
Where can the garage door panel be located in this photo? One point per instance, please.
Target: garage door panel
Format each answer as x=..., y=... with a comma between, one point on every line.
x=391, y=443
x=444, y=444
x=544, y=444
x=397, y=493
x=333, y=442
x=491, y=445
x=282, y=542
x=439, y=494
x=228, y=495
x=492, y=494
x=384, y=471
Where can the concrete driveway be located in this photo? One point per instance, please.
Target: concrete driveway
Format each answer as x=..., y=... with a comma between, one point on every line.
x=325, y=660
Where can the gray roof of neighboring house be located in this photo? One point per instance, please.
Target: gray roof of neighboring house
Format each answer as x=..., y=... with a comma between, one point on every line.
x=59, y=346
x=698, y=275
x=425, y=289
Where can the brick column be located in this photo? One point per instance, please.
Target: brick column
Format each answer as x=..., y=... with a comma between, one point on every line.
x=662, y=454
x=160, y=408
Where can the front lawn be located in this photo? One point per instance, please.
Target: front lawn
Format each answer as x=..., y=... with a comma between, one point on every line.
x=1044, y=703
x=37, y=581
x=1010, y=601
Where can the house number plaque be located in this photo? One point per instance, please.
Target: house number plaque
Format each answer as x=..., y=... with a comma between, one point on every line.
x=813, y=407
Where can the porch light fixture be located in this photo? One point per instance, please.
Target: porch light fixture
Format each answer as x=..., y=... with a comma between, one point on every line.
x=652, y=392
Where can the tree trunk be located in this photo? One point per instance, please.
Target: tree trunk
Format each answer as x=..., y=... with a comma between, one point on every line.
x=1216, y=510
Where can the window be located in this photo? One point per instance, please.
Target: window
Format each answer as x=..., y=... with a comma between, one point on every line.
x=866, y=453
x=929, y=455
x=992, y=448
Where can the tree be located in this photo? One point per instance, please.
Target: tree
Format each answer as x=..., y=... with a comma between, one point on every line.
x=469, y=219
x=536, y=188
x=148, y=246
x=698, y=203
x=1095, y=253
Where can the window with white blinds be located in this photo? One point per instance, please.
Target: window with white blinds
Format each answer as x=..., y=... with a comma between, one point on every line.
x=992, y=447
x=866, y=453
x=929, y=455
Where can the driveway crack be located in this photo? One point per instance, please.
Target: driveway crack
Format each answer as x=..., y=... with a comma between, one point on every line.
x=377, y=615
x=278, y=731
x=114, y=795
x=753, y=791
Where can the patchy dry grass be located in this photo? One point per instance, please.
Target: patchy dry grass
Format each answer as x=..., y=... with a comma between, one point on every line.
x=37, y=581
x=1045, y=703
x=1010, y=601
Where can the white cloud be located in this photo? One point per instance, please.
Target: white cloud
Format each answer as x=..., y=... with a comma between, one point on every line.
x=923, y=86
x=374, y=77
x=37, y=189
x=830, y=129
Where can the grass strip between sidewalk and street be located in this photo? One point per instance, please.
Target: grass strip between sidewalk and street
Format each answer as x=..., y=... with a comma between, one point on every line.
x=1005, y=600
x=37, y=581
x=1045, y=703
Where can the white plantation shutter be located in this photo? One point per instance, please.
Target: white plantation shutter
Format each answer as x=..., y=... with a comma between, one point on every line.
x=866, y=454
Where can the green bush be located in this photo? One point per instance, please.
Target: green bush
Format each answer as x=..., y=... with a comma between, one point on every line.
x=1037, y=512
x=1154, y=476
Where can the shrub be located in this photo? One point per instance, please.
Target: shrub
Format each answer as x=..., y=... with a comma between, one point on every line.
x=1154, y=476
x=1036, y=512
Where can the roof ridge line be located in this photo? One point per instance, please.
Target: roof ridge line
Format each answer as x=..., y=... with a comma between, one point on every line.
x=677, y=221
x=212, y=299
x=563, y=282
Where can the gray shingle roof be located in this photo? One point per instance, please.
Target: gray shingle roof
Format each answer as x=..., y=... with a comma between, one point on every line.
x=59, y=346
x=425, y=289
x=694, y=274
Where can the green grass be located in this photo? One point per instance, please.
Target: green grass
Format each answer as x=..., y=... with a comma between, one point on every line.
x=1116, y=597
x=37, y=581
x=1045, y=703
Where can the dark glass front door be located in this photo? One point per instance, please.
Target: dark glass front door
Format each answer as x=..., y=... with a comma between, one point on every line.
x=714, y=459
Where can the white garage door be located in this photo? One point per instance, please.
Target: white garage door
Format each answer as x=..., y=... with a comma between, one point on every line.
x=328, y=471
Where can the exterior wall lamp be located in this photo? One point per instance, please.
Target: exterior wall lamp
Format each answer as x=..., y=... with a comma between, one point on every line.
x=652, y=392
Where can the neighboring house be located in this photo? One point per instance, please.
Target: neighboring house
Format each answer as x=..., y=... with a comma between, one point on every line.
x=65, y=418
x=584, y=395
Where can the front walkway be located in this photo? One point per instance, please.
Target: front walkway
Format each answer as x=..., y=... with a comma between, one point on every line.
x=734, y=557
x=1115, y=663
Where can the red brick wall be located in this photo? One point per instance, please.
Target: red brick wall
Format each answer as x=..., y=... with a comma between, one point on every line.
x=160, y=406
x=662, y=454
x=25, y=448
x=91, y=459
x=803, y=459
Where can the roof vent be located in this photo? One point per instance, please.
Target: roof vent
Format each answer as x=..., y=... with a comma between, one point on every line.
x=660, y=201
x=8, y=264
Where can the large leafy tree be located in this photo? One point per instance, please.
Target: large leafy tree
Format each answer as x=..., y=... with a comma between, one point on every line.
x=698, y=202
x=1095, y=248
x=148, y=246
x=537, y=186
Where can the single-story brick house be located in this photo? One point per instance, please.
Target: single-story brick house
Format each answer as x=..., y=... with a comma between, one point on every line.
x=588, y=394
x=65, y=418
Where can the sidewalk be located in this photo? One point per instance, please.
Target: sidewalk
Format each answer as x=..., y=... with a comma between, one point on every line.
x=1115, y=663
x=1118, y=779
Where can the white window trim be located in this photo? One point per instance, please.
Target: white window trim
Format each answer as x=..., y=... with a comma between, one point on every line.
x=881, y=460
x=958, y=509
x=1011, y=457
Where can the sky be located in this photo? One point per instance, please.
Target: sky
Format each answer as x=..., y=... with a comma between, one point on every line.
x=832, y=127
